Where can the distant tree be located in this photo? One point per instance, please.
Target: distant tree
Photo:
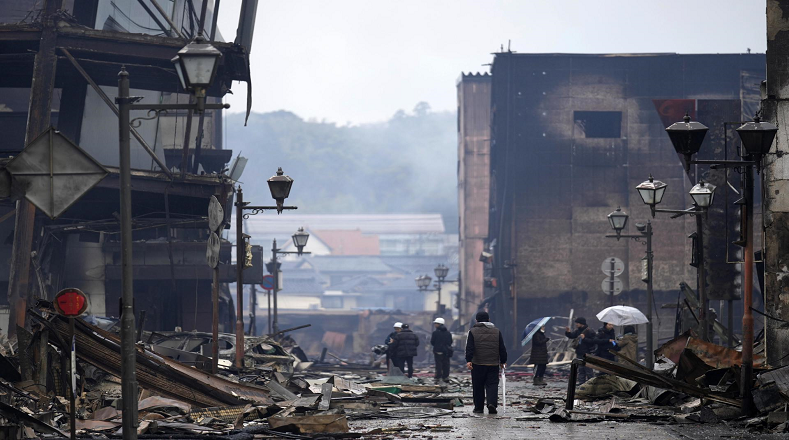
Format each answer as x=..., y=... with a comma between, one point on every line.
x=405, y=165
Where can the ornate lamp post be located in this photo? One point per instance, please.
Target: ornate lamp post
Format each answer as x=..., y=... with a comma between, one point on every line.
x=196, y=65
x=279, y=186
x=423, y=283
x=618, y=221
x=757, y=138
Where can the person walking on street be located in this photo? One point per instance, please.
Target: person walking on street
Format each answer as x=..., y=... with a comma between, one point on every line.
x=485, y=353
x=539, y=355
x=441, y=340
x=582, y=346
x=389, y=342
x=628, y=345
x=404, y=348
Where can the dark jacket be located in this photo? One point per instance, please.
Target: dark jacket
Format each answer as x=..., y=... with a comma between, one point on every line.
x=602, y=339
x=441, y=340
x=539, y=349
x=389, y=344
x=584, y=345
x=485, y=345
x=405, y=344
x=628, y=347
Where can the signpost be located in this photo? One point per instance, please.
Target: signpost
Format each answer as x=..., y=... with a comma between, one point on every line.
x=612, y=285
x=70, y=303
x=216, y=219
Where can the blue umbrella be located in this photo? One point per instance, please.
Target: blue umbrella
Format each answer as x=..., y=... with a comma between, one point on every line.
x=532, y=328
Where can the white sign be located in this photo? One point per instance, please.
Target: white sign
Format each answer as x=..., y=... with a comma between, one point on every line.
x=607, y=286
x=212, y=250
x=619, y=266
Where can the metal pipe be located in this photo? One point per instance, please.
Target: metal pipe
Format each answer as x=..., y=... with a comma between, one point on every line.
x=703, y=314
x=650, y=299
x=213, y=22
x=268, y=296
x=114, y=109
x=239, y=278
x=746, y=381
x=215, y=321
x=568, y=403
x=168, y=19
x=274, y=250
x=253, y=304
x=128, y=354
x=187, y=139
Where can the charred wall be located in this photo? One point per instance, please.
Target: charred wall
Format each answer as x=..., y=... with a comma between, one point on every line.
x=572, y=135
x=473, y=185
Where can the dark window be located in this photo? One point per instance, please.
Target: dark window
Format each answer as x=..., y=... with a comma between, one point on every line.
x=331, y=302
x=598, y=124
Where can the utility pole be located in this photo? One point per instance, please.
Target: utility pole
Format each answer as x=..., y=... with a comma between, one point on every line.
x=128, y=351
x=38, y=120
x=240, y=257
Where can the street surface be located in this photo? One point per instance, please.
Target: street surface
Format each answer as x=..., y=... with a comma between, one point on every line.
x=520, y=422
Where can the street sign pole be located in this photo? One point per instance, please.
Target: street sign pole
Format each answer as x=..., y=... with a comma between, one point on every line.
x=71, y=303
x=612, y=279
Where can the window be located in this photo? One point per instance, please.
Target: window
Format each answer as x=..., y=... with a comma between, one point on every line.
x=331, y=302
x=598, y=124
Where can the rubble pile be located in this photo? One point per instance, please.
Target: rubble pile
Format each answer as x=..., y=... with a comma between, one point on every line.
x=276, y=393
x=694, y=381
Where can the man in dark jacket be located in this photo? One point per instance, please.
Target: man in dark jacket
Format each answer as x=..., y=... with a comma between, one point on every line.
x=581, y=332
x=605, y=341
x=441, y=340
x=404, y=349
x=485, y=353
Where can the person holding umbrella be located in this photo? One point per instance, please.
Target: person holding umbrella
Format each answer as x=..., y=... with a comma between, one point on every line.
x=605, y=341
x=539, y=356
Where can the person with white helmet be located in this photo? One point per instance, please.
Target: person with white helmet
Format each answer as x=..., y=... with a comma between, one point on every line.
x=398, y=326
x=441, y=340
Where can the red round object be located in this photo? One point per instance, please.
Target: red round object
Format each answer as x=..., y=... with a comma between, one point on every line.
x=70, y=302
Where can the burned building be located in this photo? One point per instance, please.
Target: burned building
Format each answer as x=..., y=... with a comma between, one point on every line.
x=60, y=63
x=570, y=138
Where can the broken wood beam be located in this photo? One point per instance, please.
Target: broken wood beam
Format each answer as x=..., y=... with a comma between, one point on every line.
x=326, y=390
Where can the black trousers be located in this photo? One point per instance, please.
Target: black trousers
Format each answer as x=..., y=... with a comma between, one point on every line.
x=485, y=382
x=401, y=362
x=539, y=370
x=442, y=366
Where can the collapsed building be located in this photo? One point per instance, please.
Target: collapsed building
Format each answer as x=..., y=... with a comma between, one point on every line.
x=550, y=144
x=60, y=62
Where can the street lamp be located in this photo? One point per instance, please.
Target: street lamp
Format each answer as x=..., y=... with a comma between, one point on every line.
x=702, y=194
x=618, y=220
x=196, y=65
x=423, y=283
x=687, y=137
x=651, y=192
x=279, y=185
x=756, y=137
x=300, y=240
x=441, y=272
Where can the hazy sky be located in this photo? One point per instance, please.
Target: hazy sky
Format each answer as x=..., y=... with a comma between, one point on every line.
x=362, y=60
